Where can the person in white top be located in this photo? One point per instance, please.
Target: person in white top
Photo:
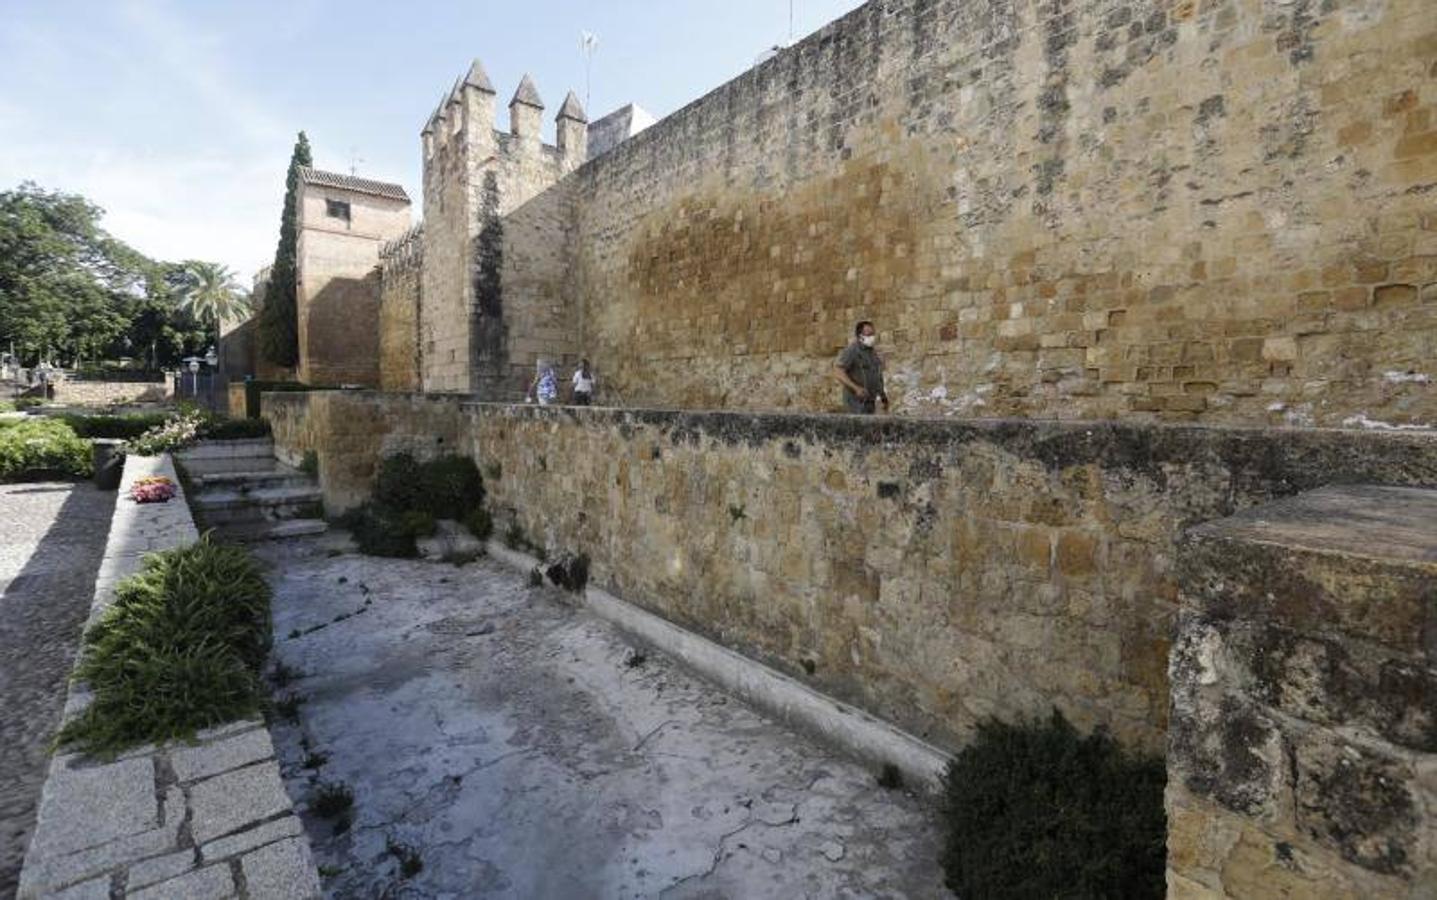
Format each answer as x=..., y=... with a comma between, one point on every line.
x=583, y=385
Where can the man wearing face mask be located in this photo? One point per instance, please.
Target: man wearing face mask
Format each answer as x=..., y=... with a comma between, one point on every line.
x=860, y=370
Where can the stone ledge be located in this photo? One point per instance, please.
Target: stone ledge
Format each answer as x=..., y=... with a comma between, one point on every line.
x=150, y=822
x=834, y=722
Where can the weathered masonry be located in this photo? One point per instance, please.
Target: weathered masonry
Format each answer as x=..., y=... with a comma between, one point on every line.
x=937, y=572
x=1164, y=209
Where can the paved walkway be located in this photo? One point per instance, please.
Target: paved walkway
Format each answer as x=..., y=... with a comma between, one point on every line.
x=52, y=536
x=521, y=749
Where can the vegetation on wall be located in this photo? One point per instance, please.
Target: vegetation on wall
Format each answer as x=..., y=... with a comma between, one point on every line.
x=180, y=649
x=278, y=319
x=71, y=293
x=1036, y=811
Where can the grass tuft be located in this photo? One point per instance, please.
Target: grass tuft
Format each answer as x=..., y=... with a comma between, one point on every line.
x=331, y=799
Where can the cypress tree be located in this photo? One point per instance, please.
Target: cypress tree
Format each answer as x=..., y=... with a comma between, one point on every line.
x=278, y=324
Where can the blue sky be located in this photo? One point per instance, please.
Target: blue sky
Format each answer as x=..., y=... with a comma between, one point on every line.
x=178, y=117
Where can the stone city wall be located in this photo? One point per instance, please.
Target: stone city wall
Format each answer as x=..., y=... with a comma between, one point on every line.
x=401, y=263
x=930, y=572
x=1147, y=209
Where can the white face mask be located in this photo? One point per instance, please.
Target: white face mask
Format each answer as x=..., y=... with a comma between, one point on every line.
x=869, y=340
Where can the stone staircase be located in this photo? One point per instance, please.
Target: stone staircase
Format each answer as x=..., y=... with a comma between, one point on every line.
x=244, y=493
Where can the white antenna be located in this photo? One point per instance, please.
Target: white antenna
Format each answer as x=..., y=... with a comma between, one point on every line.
x=790, y=22
x=588, y=46
x=354, y=160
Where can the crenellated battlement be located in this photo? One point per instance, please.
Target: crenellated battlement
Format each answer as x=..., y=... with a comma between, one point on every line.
x=476, y=175
x=404, y=252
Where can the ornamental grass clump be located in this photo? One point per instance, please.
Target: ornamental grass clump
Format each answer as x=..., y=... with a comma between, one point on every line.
x=33, y=449
x=179, y=650
x=1037, y=811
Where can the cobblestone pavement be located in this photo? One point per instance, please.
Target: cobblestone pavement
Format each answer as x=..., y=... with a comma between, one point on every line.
x=52, y=536
x=502, y=742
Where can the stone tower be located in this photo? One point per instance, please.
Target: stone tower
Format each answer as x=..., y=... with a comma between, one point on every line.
x=477, y=336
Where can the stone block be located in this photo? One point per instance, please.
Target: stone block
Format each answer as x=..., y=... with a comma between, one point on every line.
x=87, y=807
x=269, y=832
x=232, y=801
x=159, y=868
x=281, y=871
x=1360, y=803
x=212, y=883
x=193, y=763
x=95, y=889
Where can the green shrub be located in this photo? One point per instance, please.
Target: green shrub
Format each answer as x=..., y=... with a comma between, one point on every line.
x=419, y=523
x=42, y=448
x=1038, y=811
x=25, y=403
x=378, y=531
x=451, y=487
x=218, y=428
x=446, y=488
x=310, y=464
x=180, y=649
x=124, y=427
x=480, y=523
x=398, y=484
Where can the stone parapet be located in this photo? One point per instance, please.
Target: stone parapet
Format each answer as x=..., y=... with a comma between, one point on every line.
x=930, y=572
x=1302, y=754
x=208, y=818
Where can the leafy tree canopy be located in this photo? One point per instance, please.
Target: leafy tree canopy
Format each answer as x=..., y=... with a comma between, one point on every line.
x=72, y=293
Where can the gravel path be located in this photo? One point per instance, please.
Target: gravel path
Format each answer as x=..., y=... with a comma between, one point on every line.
x=508, y=744
x=52, y=536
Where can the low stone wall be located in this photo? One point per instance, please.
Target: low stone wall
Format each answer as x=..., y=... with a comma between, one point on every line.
x=1303, y=751
x=930, y=572
x=111, y=393
x=209, y=818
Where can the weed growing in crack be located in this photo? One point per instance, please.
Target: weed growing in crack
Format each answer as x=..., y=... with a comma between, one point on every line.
x=331, y=799
x=536, y=577
x=889, y=778
x=410, y=862
x=283, y=675
x=314, y=759
x=287, y=707
x=635, y=659
x=328, y=871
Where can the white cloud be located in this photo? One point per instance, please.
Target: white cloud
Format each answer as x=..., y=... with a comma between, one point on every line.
x=185, y=161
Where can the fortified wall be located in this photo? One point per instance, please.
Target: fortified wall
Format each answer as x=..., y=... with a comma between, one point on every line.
x=1164, y=209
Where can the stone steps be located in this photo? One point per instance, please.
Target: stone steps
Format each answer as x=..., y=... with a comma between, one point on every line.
x=245, y=494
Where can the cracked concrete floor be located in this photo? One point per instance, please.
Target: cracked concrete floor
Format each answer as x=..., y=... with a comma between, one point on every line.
x=508, y=737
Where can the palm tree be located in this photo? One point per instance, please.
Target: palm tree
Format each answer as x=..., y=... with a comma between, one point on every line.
x=213, y=294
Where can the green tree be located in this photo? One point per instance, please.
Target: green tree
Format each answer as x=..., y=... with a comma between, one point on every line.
x=66, y=287
x=212, y=294
x=278, y=319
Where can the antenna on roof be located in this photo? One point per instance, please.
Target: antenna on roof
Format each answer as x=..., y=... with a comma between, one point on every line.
x=790, y=21
x=588, y=46
x=354, y=160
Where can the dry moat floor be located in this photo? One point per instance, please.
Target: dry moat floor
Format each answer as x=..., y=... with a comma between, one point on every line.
x=524, y=748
